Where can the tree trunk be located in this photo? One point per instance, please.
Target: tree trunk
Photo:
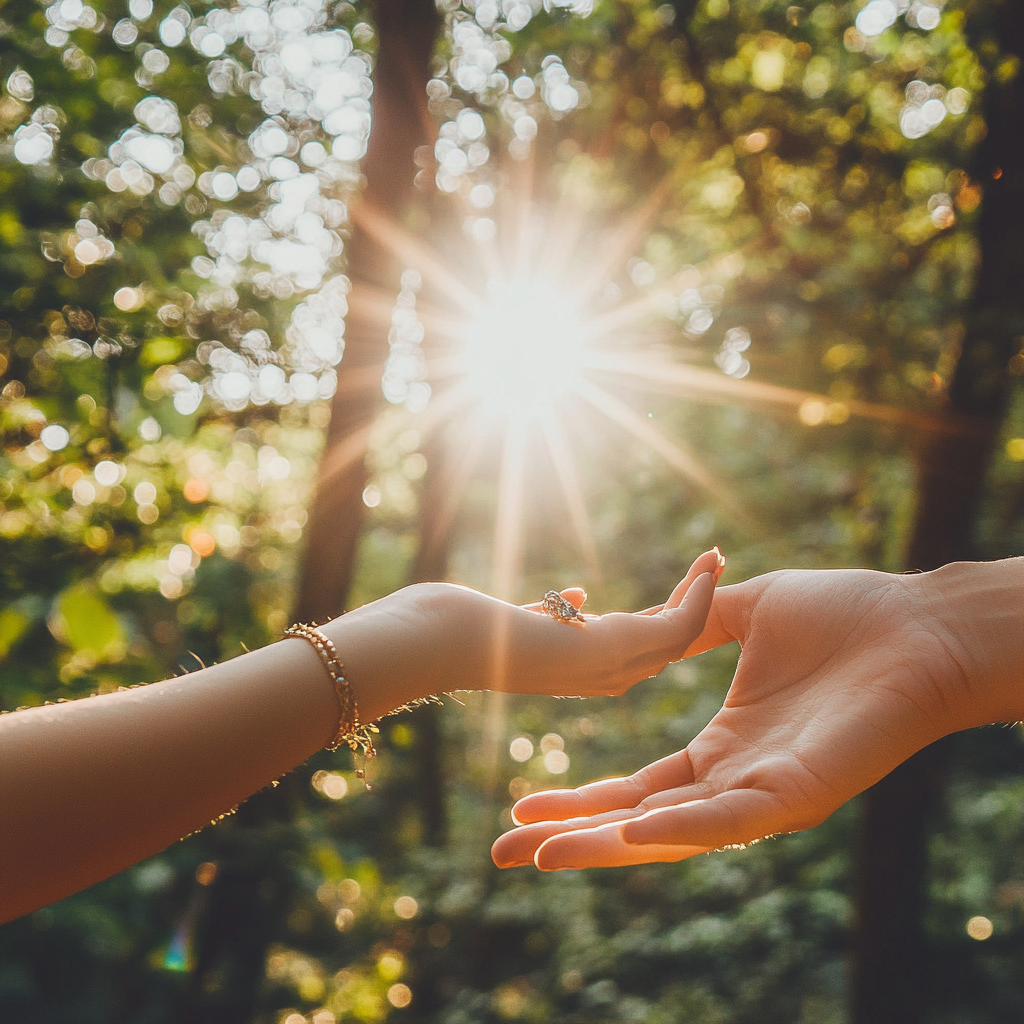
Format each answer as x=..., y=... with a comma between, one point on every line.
x=407, y=31
x=250, y=897
x=892, y=969
x=432, y=564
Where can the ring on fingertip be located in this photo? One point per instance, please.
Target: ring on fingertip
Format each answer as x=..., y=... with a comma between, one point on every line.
x=558, y=608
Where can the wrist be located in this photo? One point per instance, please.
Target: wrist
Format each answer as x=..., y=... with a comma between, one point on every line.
x=357, y=653
x=395, y=651
x=977, y=612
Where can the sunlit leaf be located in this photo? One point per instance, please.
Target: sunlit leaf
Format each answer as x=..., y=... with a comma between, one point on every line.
x=89, y=623
x=13, y=624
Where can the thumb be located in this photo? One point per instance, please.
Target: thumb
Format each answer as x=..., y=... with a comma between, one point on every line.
x=688, y=618
x=725, y=621
x=576, y=596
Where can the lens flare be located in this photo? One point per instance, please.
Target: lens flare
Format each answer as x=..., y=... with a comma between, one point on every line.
x=524, y=348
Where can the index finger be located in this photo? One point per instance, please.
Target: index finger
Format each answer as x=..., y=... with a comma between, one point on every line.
x=519, y=846
x=709, y=561
x=604, y=847
x=670, y=772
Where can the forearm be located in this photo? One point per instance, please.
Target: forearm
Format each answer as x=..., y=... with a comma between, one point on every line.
x=119, y=777
x=92, y=786
x=979, y=609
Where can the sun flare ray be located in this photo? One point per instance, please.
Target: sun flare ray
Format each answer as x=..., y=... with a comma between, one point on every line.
x=662, y=376
x=505, y=571
x=462, y=458
x=671, y=451
x=344, y=453
x=565, y=470
x=414, y=253
x=520, y=212
x=563, y=239
x=374, y=307
x=637, y=313
x=508, y=526
x=616, y=249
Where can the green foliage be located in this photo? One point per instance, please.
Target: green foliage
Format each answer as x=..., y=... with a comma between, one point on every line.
x=787, y=203
x=87, y=623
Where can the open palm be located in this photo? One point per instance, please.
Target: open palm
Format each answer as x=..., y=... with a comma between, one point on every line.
x=835, y=686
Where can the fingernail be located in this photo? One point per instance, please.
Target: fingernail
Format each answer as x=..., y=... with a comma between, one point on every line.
x=721, y=562
x=552, y=865
x=505, y=864
x=630, y=835
x=545, y=860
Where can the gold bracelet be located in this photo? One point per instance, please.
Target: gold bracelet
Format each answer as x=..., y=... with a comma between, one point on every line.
x=351, y=731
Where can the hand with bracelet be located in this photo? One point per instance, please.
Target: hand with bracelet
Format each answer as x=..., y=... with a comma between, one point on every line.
x=90, y=787
x=843, y=674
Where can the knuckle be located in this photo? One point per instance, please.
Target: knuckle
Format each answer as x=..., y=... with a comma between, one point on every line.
x=650, y=803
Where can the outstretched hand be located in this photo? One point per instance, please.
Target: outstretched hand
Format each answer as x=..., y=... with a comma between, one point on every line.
x=843, y=674
x=155, y=763
x=439, y=637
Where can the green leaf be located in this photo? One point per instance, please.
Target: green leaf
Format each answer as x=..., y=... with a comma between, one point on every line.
x=13, y=624
x=160, y=351
x=89, y=623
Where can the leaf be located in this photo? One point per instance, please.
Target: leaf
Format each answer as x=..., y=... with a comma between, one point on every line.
x=89, y=623
x=159, y=351
x=13, y=624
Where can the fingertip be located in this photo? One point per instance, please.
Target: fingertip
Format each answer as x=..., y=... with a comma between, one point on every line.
x=546, y=857
x=632, y=833
x=516, y=847
x=720, y=567
x=521, y=812
x=706, y=562
x=547, y=805
x=576, y=596
x=502, y=859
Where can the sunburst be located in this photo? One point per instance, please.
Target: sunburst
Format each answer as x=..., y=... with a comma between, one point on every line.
x=516, y=355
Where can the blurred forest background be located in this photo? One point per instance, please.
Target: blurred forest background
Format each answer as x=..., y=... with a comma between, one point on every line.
x=239, y=246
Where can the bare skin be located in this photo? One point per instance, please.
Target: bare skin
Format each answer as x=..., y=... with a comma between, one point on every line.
x=90, y=787
x=843, y=675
